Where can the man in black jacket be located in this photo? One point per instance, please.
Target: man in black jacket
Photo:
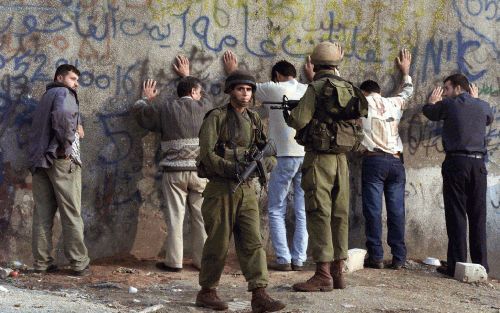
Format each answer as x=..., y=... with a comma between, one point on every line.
x=465, y=118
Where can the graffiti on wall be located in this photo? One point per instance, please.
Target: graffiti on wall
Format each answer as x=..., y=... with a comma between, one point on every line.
x=116, y=50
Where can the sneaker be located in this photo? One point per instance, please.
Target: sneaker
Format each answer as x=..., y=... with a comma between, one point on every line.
x=297, y=268
x=81, y=273
x=50, y=269
x=396, y=265
x=374, y=264
x=285, y=267
x=166, y=268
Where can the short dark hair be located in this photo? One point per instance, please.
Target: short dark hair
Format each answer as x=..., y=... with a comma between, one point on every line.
x=370, y=86
x=320, y=67
x=283, y=67
x=186, y=84
x=458, y=80
x=64, y=69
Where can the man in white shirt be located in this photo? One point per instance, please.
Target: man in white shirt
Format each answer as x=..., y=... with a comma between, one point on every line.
x=382, y=170
x=287, y=172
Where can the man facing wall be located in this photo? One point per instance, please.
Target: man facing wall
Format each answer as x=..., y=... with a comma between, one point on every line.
x=178, y=122
x=465, y=118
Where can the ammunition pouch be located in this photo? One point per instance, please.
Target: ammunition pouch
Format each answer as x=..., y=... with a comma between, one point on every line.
x=336, y=137
x=334, y=127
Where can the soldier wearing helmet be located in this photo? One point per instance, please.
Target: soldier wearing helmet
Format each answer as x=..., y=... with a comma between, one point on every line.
x=324, y=120
x=227, y=135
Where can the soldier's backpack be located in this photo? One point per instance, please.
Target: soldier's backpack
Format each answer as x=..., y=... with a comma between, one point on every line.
x=335, y=127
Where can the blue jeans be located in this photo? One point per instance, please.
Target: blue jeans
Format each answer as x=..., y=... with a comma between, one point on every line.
x=384, y=174
x=286, y=172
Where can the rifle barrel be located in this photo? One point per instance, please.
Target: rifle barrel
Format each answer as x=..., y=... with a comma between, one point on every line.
x=272, y=102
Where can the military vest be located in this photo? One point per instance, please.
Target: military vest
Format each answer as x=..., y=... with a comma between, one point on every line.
x=227, y=148
x=335, y=127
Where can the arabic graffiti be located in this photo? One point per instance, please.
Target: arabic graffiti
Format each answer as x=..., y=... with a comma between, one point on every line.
x=118, y=44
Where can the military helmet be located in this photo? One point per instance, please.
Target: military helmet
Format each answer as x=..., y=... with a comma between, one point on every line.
x=239, y=77
x=327, y=53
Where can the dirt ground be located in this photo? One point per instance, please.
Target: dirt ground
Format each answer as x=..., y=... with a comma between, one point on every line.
x=417, y=288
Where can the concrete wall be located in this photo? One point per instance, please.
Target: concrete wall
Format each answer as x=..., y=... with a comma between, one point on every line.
x=118, y=44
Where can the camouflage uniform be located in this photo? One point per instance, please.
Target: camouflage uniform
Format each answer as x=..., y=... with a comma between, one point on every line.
x=325, y=180
x=225, y=136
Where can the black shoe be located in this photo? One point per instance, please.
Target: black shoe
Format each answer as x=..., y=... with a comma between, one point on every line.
x=285, y=267
x=163, y=267
x=50, y=269
x=443, y=269
x=81, y=273
x=374, y=264
x=297, y=268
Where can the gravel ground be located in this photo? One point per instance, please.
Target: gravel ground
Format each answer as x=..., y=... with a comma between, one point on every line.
x=418, y=288
x=17, y=300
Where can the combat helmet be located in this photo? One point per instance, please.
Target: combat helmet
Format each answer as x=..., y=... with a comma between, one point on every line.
x=327, y=53
x=239, y=77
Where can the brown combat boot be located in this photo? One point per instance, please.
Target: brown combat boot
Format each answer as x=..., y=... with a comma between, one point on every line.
x=337, y=269
x=207, y=298
x=321, y=281
x=262, y=302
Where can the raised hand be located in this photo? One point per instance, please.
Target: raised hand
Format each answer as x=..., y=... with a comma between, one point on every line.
x=149, y=89
x=403, y=61
x=436, y=95
x=230, y=62
x=181, y=66
x=339, y=48
x=474, y=90
x=309, y=69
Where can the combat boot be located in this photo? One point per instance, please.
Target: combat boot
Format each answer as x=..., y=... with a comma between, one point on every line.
x=262, y=302
x=207, y=298
x=337, y=271
x=321, y=281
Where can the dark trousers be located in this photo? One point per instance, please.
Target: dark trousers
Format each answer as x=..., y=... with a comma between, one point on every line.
x=384, y=175
x=464, y=193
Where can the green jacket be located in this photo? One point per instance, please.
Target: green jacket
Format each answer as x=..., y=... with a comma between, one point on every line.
x=237, y=132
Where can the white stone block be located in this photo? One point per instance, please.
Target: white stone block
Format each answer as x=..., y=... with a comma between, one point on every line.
x=355, y=260
x=470, y=272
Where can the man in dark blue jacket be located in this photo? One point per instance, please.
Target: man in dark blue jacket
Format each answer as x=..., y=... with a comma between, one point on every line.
x=56, y=169
x=465, y=118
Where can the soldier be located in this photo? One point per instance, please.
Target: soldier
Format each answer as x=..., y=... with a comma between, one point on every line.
x=227, y=134
x=324, y=119
x=287, y=172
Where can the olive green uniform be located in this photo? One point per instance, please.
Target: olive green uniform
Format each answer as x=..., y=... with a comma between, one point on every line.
x=224, y=212
x=325, y=180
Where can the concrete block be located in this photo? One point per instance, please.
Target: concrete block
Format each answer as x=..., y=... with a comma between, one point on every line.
x=355, y=260
x=470, y=272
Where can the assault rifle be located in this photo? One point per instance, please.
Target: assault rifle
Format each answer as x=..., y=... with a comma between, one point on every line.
x=255, y=158
x=286, y=105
